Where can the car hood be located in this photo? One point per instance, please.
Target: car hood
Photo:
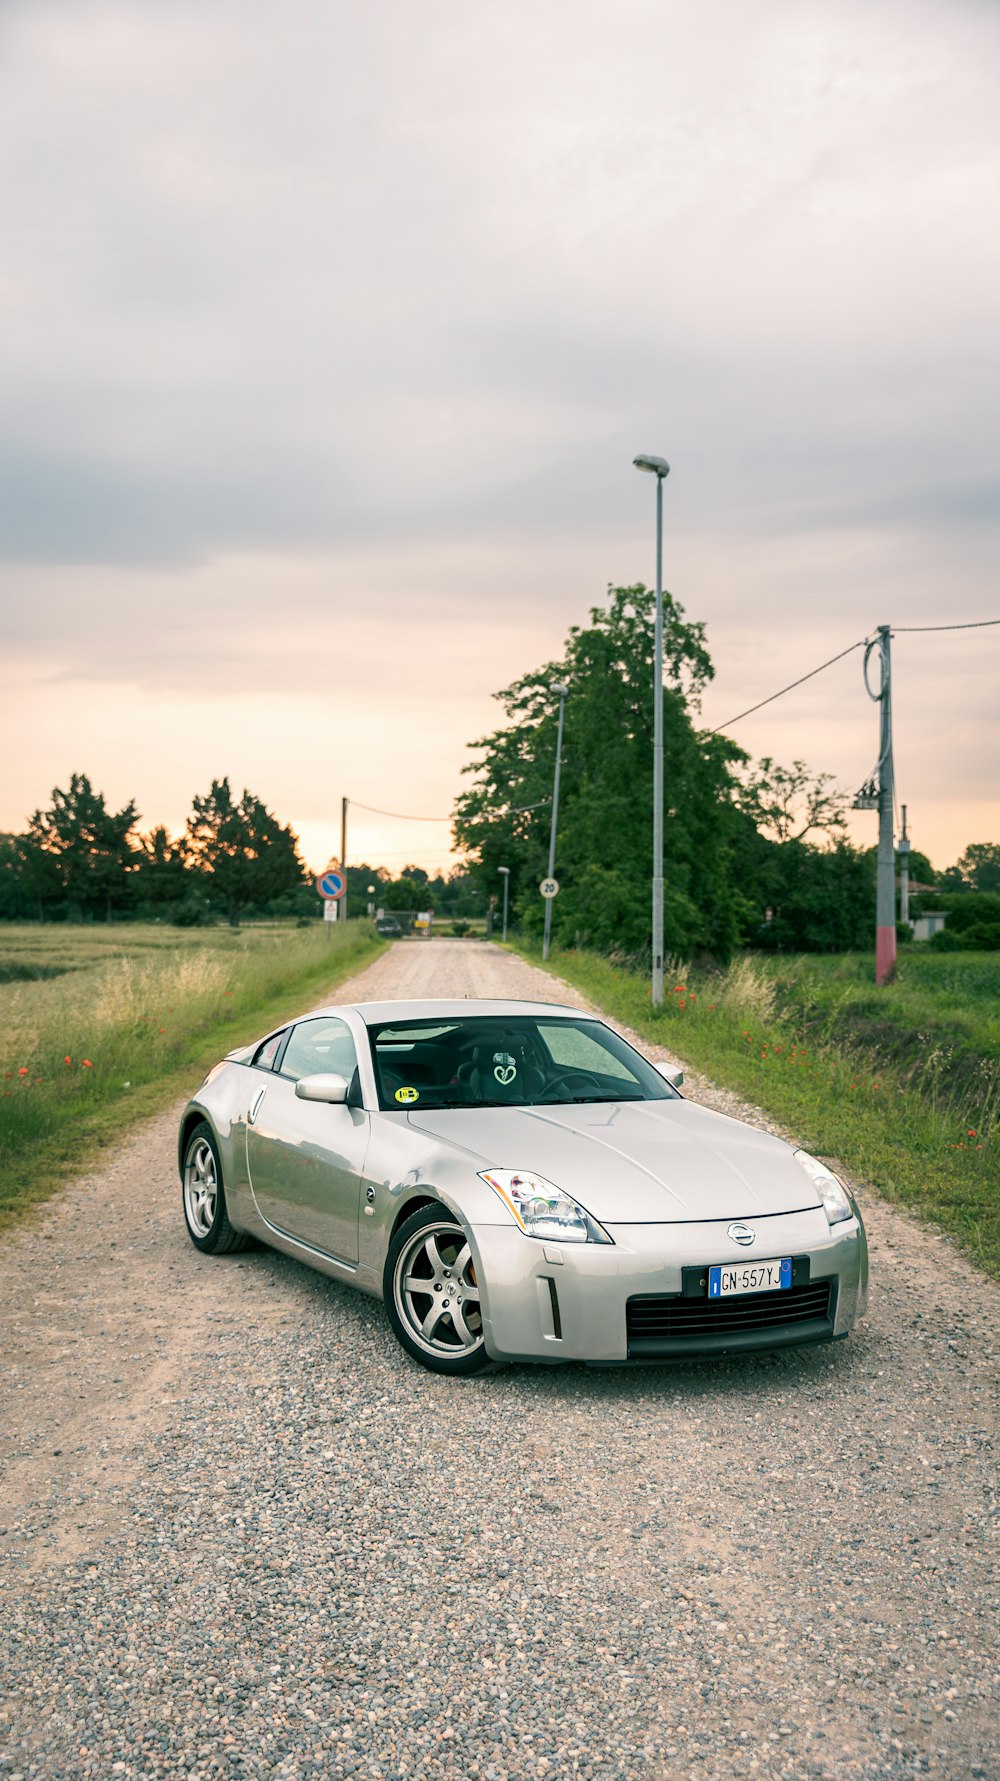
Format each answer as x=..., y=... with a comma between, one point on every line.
x=642, y=1162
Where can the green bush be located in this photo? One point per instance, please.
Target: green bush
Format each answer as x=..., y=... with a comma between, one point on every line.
x=193, y=911
x=982, y=936
x=946, y=941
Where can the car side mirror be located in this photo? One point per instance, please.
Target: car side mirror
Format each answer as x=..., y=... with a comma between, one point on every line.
x=324, y=1087
x=670, y=1073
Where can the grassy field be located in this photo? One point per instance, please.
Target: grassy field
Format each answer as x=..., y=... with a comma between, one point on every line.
x=100, y=1026
x=901, y=1085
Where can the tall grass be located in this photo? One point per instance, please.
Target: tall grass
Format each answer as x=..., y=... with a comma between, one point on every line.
x=128, y=1023
x=901, y=1085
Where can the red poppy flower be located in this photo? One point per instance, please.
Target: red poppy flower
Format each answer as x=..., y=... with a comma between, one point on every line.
x=23, y=1071
x=87, y=1063
x=69, y=1061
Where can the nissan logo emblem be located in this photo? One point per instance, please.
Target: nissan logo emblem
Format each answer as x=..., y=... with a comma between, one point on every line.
x=741, y=1233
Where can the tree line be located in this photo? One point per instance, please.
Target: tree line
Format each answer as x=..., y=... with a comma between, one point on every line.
x=77, y=859
x=756, y=853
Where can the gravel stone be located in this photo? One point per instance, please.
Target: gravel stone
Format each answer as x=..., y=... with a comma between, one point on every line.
x=242, y=1535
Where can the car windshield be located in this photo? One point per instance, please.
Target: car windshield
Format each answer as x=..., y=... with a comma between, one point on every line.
x=519, y=1060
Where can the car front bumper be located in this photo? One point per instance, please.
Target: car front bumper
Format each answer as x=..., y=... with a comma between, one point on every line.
x=555, y=1302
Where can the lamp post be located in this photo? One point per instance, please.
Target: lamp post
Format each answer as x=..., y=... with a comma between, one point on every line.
x=547, y=936
x=659, y=468
x=371, y=905
x=504, y=872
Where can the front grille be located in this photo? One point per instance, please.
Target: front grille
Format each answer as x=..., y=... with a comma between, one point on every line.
x=664, y=1325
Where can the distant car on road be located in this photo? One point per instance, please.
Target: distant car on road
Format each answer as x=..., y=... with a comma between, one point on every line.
x=388, y=927
x=518, y=1183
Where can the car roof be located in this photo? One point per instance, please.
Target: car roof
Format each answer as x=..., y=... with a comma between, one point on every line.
x=374, y=1013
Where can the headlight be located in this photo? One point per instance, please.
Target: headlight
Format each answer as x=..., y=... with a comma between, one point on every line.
x=836, y=1200
x=542, y=1210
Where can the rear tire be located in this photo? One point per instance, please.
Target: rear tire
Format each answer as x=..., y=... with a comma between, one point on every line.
x=432, y=1295
x=204, y=1197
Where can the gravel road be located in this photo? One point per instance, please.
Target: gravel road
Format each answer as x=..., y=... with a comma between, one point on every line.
x=242, y=1534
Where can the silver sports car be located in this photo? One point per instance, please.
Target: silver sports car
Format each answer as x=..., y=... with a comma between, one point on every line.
x=518, y=1184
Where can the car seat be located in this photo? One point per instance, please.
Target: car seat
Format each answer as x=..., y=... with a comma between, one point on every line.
x=500, y=1070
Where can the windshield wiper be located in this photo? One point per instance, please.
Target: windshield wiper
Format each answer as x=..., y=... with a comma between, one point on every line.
x=589, y=1100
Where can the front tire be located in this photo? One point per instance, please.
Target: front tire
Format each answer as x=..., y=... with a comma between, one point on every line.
x=432, y=1295
x=204, y=1197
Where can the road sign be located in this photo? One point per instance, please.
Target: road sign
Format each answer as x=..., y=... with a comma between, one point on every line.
x=332, y=883
x=330, y=909
x=549, y=887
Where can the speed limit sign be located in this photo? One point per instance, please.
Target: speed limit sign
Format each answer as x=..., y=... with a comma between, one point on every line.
x=549, y=887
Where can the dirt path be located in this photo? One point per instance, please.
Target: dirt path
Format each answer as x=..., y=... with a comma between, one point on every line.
x=241, y=1534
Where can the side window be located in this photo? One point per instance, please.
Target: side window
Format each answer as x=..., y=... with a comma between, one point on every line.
x=263, y=1058
x=320, y=1046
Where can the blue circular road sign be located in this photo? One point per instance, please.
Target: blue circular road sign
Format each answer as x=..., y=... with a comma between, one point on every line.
x=331, y=884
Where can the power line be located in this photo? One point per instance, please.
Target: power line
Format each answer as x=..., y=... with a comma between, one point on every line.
x=975, y=624
x=787, y=689
x=402, y=815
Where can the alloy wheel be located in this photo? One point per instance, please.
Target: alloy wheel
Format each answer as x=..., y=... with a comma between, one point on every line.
x=201, y=1188
x=436, y=1293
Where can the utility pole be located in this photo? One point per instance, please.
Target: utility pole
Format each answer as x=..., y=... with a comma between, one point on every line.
x=877, y=793
x=904, y=872
x=659, y=468
x=547, y=936
x=343, y=855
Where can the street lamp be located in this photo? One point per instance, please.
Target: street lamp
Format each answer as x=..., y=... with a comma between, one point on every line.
x=504, y=872
x=659, y=468
x=562, y=691
x=371, y=905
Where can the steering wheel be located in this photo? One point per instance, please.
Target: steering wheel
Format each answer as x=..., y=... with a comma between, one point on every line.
x=567, y=1076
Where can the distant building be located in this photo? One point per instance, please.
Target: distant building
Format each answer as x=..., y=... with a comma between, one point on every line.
x=925, y=925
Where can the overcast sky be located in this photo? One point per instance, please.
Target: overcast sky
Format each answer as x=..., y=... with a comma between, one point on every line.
x=328, y=333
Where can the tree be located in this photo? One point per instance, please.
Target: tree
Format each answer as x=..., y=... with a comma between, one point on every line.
x=921, y=870
x=977, y=869
x=822, y=899
x=405, y=892
x=19, y=900
x=163, y=872
x=80, y=853
x=244, y=854
x=789, y=803
x=605, y=819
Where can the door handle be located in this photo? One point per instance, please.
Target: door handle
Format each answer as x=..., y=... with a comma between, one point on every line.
x=255, y=1104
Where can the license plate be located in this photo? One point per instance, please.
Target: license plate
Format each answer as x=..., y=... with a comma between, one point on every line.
x=738, y=1277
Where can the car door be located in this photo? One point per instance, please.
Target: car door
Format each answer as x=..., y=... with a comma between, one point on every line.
x=305, y=1158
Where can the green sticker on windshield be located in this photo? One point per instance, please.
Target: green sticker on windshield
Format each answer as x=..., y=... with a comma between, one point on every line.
x=407, y=1094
